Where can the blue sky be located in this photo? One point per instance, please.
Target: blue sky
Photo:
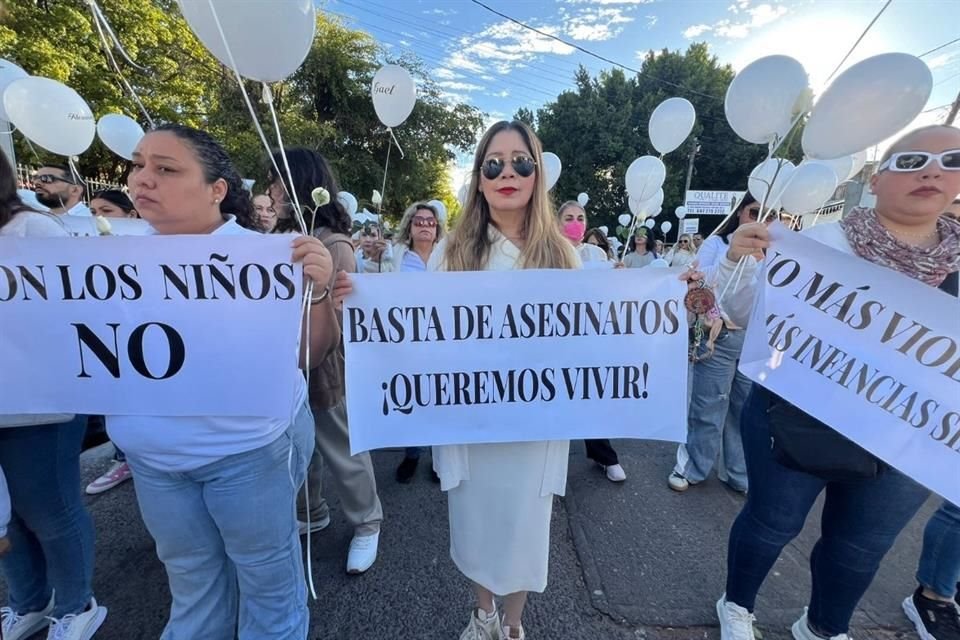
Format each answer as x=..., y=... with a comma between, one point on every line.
x=498, y=66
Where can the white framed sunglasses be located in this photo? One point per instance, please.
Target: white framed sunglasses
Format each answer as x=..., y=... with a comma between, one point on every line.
x=906, y=161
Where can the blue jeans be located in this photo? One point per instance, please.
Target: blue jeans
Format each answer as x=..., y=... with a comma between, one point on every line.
x=939, y=568
x=227, y=536
x=717, y=393
x=861, y=519
x=50, y=531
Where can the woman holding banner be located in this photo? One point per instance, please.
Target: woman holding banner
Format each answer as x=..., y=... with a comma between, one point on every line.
x=353, y=475
x=573, y=225
x=717, y=389
x=864, y=511
x=218, y=494
x=500, y=496
x=48, y=545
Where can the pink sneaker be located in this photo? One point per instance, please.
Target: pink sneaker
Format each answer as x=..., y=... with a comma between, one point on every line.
x=118, y=473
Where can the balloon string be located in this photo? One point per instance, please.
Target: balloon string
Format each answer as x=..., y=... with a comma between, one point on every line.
x=298, y=210
x=116, y=40
x=394, y=138
x=383, y=188
x=113, y=62
x=253, y=113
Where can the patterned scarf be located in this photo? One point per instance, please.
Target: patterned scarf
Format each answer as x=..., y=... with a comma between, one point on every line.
x=872, y=241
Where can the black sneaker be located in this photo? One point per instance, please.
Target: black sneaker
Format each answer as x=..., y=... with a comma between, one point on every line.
x=933, y=619
x=406, y=470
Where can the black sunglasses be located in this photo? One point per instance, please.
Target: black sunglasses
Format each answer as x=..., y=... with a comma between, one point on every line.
x=49, y=178
x=523, y=165
x=422, y=221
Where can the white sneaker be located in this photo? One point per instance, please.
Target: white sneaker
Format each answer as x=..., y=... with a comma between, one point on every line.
x=118, y=473
x=505, y=631
x=363, y=553
x=677, y=482
x=482, y=629
x=615, y=473
x=80, y=626
x=315, y=525
x=736, y=623
x=801, y=631
x=18, y=627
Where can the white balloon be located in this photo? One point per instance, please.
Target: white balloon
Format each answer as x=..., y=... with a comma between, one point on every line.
x=394, y=94
x=348, y=201
x=671, y=123
x=50, y=114
x=866, y=104
x=842, y=166
x=284, y=33
x=810, y=186
x=770, y=176
x=681, y=212
x=441, y=210
x=8, y=73
x=649, y=223
x=624, y=219
x=666, y=226
x=583, y=199
x=765, y=96
x=644, y=176
x=120, y=133
x=649, y=207
x=248, y=184
x=551, y=168
x=604, y=230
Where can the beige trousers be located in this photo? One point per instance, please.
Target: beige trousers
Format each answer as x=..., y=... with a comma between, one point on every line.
x=352, y=475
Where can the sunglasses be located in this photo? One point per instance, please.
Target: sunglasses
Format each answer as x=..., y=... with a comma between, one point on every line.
x=523, y=165
x=684, y=242
x=49, y=178
x=916, y=160
x=421, y=221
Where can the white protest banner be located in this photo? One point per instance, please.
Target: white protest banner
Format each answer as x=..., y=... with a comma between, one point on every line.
x=161, y=325
x=458, y=358
x=864, y=349
x=690, y=225
x=87, y=226
x=711, y=203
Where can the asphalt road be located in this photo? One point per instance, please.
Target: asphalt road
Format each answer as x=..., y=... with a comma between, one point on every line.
x=627, y=562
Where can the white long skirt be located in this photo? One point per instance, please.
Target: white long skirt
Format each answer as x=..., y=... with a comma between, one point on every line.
x=499, y=522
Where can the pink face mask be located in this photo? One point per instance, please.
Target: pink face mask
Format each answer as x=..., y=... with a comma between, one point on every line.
x=574, y=230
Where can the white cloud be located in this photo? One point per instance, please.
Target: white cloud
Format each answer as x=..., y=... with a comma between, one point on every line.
x=440, y=12
x=942, y=59
x=502, y=94
x=502, y=47
x=459, y=86
x=446, y=74
x=760, y=15
x=597, y=24
x=652, y=21
x=696, y=30
x=611, y=2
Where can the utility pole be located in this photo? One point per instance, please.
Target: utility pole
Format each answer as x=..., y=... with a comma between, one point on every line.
x=953, y=110
x=694, y=151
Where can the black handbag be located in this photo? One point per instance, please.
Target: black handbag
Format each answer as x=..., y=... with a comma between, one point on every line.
x=803, y=443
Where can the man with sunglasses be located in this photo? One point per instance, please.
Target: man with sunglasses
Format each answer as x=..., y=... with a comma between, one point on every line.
x=58, y=189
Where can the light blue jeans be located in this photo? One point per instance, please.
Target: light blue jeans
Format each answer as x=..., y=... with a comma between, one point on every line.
x=939, y=568
x=717, y=393
x=227, y=536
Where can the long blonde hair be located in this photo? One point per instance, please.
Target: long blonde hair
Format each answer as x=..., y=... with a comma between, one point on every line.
x=468, y=245
x=403, y=235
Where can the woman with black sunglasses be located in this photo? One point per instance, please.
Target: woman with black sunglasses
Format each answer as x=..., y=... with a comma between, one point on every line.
x=420, y=231
x=500, y=496
x=864, y=512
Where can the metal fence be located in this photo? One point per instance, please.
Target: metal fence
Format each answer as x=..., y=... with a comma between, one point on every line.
x=91, y=185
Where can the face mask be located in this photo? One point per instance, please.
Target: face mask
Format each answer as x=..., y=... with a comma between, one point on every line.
x=574, y=230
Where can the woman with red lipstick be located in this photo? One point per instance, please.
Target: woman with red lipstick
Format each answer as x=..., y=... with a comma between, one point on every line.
x=500, y=496
x=864, y=511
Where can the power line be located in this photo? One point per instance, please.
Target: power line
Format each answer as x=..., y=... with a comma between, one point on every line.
x=945, y=44
x=592, y=54
x=862, y=36
x=943, y=106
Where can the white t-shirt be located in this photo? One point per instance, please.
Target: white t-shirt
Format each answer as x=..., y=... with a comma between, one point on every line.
x=28, y=224
x=178, y=443
x=711, y=252
x=591, y=253
x=79, y=209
